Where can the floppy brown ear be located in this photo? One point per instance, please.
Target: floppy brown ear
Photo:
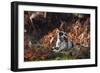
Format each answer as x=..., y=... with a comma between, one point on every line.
x=57, y=30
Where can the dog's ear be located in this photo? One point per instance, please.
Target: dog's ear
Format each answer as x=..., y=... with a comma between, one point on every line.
x=57, y=30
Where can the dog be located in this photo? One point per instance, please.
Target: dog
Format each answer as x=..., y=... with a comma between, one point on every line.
x=62, y=42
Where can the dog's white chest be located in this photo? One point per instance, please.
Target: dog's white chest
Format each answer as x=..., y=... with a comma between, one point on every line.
x=63, y=45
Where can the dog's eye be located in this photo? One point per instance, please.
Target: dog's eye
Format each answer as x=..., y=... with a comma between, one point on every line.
x=60, y=33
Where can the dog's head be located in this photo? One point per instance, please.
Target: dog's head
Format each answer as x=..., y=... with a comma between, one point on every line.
x=62, y=34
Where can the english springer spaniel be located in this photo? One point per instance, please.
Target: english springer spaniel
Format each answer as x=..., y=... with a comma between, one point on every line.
x=62, y=42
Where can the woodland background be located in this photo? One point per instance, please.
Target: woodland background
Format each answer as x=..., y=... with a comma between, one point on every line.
x=40, y=30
